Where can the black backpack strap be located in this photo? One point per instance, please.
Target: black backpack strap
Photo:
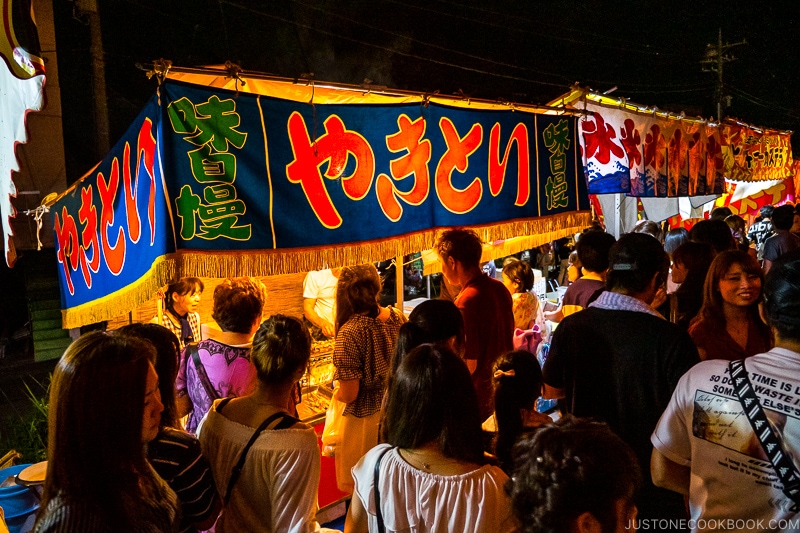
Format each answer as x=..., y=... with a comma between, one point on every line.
x=769, y=440
x=193, y=350
x=375, y=479
x=287, y=421
x=222, y=403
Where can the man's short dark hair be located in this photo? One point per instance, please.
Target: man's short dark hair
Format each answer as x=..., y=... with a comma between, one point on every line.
x=593, y=248
x=766, y=211
x=633, y=261
x=783, y=217
x=463, y=245
x=714, y=232
x=782, y=296
x=721, y=213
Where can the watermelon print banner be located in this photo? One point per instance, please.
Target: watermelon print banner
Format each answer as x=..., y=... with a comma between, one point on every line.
x=646, y=155
x=213, y=183
x=752, y=155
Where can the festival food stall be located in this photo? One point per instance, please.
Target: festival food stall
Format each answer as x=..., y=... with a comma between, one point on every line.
x=674, y=167
x=227, y=173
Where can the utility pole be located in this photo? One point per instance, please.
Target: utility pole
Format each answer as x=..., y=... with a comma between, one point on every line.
x=102, y=141
x=716, y=57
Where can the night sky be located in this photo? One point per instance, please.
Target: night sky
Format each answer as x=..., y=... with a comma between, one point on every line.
x=519, y=51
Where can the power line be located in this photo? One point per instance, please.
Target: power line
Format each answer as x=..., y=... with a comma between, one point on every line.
x=567, y=79
x=668, y=91
x=640, y=48
x=395, y=51
x=550, y=25
x=432, y=45
x=763, y=103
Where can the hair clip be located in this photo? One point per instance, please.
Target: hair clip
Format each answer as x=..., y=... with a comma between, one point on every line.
x=623, y=266
x=504, y=373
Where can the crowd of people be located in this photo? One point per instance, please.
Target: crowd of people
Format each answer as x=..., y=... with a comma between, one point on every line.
x=444, y=429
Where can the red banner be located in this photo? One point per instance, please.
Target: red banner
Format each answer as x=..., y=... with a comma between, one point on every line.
x=753, y=155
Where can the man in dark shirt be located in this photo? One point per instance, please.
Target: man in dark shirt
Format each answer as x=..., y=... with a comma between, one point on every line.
x=485, y=305
x=761, y=230
x=592, y=247
x=783, y=241
x=619, y=360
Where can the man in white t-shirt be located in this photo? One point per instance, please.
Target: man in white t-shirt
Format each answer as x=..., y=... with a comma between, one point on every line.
x=704, y=444
x=319, y=300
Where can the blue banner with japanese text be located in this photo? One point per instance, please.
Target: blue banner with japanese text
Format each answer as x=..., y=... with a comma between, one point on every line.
x=213, y=174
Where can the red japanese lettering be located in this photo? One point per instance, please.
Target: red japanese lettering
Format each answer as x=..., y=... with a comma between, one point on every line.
x=654, y=145
x=146, y=152
x=676, y=159
x=696, y=161
x=334, y=147
x=599, y=139
x=631, y=139
x=113, y=254
x=455, y=157
x=87, y=216
x=415, y=162
x=497, y=166
x=713, y=159
x=67, y=238
x=131, y=192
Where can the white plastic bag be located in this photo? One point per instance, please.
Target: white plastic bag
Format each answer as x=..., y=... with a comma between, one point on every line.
x=332, y=433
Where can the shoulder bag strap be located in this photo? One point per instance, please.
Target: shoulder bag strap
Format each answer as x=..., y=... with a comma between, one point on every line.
x=375, y=479
x=194, y=351
x=286, y=422
x=769, y=440
x=223, y=403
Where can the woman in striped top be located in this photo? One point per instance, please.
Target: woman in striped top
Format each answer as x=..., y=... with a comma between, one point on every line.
x=174, y=453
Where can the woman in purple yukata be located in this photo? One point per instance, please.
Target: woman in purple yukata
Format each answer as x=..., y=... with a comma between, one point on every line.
x=224, y=367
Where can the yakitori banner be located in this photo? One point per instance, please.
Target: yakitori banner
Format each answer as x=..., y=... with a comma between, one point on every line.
x=756, y=155
x=646, y=154
x=211, y=182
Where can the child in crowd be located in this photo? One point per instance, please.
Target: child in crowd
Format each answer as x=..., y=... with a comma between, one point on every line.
x=517, y=387
x=574, y=476
x=518, y=279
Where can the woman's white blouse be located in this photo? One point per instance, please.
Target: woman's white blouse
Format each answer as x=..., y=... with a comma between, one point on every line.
x=416, y=501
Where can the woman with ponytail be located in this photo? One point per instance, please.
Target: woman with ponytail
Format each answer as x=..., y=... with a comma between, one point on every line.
x=517, y=385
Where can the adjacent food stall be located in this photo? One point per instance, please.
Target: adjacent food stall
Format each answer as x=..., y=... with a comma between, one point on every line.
x=675, y=167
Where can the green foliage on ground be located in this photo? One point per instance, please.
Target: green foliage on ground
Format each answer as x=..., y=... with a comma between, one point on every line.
x=26, y=432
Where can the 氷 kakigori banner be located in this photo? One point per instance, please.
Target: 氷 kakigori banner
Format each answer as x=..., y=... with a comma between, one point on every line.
x=649, y=155
x=216, y=183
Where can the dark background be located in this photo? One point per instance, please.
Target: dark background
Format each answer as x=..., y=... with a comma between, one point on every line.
x=520, y=51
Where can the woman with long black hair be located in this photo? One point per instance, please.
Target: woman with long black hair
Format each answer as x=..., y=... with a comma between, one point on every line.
x=105, y=406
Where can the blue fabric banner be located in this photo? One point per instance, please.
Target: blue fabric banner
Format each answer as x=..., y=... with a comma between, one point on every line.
x=253, y=172
x=251, y=184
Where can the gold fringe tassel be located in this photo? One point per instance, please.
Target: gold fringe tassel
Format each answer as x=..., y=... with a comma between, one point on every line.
x=518, y=235
x=524, y=235
x=122, y=301
x=533, y=232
